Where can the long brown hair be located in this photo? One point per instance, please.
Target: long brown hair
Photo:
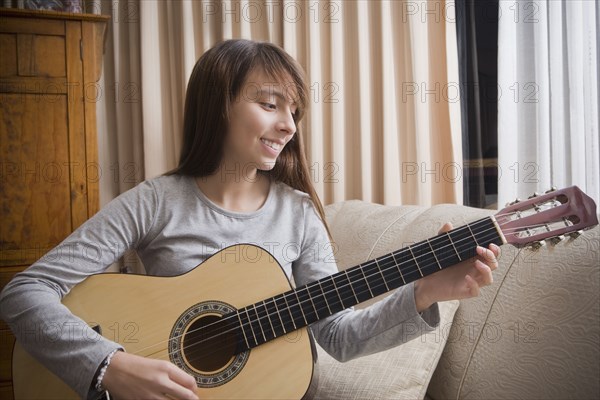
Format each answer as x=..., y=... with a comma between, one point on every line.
x=215, y=83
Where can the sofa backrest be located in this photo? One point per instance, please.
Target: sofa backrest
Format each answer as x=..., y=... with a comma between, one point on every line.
x=534, y=333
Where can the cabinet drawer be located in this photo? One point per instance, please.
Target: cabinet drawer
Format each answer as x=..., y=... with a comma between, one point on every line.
x=36, y=56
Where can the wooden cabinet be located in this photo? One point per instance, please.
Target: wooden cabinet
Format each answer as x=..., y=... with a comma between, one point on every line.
x=50, y=63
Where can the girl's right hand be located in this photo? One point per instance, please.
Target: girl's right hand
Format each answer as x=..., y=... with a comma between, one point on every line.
x=133, y=377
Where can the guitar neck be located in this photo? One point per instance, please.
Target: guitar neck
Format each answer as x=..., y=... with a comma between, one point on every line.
x=300, y=307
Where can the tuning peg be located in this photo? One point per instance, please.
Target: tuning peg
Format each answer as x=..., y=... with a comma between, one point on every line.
x=538, y=244
x=510, y=203
x=535, y=194
x=576, y=234
x=552, y=189
x=556, y=239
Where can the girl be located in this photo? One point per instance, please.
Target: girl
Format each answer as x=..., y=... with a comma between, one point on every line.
x=242, y=178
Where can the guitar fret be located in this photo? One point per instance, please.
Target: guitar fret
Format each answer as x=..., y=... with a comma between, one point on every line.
x=374, y=278
x=454, y=247
x=443, y=251
x=319, y=300
x=259, y=324
x=312, y=302
x=359, y=284
x=300, y=306
x=279, y=315
x=398, y=267
x=290, y=311
x=392, y=279
x=269, y=318
x=264, y=323
x=427, y=259
x=310, y=311
x=362, y=270
x=383, y=277
x=465, y=243
x=251, y=328
x=342, y=283
x=334, y=295
x=350, y=284
x=286, y=317
x=416, y=262
x=474, y=238
x=274, y=323
x=408, y=264
x=337, y=291
x=325, y=298
x=433, y=252
x=242, y=328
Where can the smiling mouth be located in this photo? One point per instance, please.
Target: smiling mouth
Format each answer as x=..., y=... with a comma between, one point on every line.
x=273, y=145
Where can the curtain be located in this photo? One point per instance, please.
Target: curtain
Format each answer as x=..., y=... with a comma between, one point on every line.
x=548, y=110
x=477, y=32
x=474, y=193
x=384, y=123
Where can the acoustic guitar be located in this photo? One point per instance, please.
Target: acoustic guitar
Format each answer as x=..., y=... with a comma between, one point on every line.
x=235, y=323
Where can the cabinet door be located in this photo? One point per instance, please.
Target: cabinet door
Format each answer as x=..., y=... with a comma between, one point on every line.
x=43, y=192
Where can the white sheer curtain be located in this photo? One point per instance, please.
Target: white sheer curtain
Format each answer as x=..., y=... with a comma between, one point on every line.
x=548, y=110
x=384, y=123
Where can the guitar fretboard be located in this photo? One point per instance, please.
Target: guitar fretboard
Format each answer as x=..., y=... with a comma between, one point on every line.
x=263, y=321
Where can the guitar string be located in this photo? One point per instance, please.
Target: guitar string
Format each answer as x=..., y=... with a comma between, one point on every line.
x=498, y=215
x=233, y=317
x=299, y=304
x=268, y=313
x=257, y=336
x=384, y=259
x=486, y=219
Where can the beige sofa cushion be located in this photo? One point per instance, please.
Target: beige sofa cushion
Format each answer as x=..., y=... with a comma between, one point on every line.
x=403, y=372
x=363, y=231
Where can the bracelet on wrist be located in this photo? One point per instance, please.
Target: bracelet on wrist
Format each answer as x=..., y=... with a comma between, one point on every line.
x=105, y=365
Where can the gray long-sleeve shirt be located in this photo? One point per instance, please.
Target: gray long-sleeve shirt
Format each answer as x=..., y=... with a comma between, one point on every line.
x=173, y=227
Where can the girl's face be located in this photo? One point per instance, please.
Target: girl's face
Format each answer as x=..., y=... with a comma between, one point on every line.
x=260, y=125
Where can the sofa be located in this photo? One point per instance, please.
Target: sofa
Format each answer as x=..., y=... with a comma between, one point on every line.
x=533, y=334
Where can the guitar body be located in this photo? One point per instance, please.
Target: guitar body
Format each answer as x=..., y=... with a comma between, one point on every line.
x=147, y=314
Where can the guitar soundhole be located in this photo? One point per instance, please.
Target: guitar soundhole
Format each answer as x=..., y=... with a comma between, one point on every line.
x=203, y=343
x=209, y=344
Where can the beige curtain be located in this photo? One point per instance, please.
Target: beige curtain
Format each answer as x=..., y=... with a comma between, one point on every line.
x=384, y=123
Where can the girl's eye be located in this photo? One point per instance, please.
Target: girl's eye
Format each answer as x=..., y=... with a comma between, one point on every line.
x=269, y=105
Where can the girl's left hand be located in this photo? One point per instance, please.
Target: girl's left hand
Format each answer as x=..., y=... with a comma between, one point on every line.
x=460, y=281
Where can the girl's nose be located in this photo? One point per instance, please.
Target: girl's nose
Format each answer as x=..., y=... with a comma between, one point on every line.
x=286, y=124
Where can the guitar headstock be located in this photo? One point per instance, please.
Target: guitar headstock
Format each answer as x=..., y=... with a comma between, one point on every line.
x=548, y=216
